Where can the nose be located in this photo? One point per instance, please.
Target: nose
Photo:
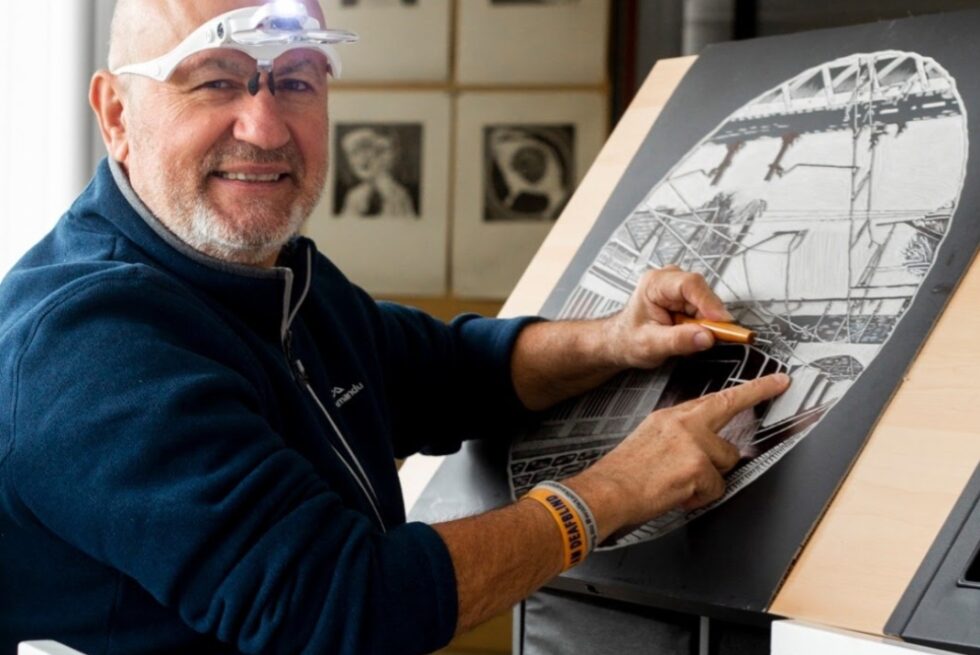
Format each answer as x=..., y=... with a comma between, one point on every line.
x=260, y=121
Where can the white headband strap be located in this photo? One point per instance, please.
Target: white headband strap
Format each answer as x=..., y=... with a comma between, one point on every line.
x=262, y=32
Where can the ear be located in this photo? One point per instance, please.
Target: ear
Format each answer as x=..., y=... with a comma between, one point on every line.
x=108, y=101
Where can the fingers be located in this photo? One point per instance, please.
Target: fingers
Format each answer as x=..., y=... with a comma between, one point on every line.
x=708, y=482
x=721, y=407
x=679, y=291
x=723, y=454
x=711, y=487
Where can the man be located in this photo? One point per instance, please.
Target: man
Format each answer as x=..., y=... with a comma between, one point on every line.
x=177, y=469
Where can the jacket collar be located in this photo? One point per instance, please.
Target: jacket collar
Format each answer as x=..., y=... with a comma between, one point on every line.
x=268, y=299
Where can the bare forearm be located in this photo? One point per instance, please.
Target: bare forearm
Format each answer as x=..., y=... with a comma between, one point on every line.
x=503, y=556
x=500, y=558
x=553, y=361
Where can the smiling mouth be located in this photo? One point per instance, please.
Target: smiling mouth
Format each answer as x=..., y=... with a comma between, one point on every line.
x=246, y=177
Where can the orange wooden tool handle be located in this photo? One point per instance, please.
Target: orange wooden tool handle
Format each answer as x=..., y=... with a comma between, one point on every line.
x=727, y=332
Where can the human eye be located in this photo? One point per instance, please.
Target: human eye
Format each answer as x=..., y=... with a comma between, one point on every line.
x=294, y=85
x=217, y=85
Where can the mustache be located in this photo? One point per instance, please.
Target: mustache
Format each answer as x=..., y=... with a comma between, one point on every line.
x=239, y=152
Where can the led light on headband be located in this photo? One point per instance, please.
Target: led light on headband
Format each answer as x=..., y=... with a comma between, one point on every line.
x=263, y=33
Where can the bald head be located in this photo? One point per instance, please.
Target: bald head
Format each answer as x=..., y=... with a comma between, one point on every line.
x=145, y=29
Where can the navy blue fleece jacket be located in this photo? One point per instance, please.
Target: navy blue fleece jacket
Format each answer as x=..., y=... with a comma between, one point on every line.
x=199, y=457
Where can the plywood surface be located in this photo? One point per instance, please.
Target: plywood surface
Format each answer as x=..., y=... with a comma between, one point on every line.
x=915, y=464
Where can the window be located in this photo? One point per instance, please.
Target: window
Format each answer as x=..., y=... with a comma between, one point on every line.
x=45, y=125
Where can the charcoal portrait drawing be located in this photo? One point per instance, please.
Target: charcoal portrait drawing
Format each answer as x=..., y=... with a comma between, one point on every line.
x=378, y=170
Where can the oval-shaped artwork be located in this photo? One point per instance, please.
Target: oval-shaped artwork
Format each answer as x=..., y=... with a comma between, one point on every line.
x=815, y=211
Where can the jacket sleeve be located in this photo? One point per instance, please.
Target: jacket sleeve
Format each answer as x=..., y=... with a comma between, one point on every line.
x=154, y=460
x=447, y=383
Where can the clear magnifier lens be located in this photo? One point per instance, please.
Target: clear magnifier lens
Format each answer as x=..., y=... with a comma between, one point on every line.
x=287, y=37
x=332, y=36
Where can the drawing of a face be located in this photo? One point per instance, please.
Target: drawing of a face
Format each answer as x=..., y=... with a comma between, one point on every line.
x=369, y=153
x=815, y=211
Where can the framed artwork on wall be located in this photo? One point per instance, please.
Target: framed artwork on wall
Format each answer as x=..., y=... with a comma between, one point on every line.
x=401, y=40
x=532, y=41
x=383, y=215
x=519, y=157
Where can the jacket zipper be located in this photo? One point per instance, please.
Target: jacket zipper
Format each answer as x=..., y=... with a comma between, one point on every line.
x=303, y=380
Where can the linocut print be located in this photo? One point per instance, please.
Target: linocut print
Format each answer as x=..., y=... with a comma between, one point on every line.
x=816, y=211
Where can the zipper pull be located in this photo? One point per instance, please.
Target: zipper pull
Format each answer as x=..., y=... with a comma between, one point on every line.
x=295, y=365
x=300, y=371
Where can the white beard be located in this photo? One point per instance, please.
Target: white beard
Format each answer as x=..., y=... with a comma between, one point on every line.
x=204, y=231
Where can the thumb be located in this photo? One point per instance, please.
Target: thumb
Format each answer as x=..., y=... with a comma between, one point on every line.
x=658, y=342
x=687, y=339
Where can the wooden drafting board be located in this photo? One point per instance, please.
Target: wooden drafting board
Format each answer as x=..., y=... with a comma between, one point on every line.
x=890, y=507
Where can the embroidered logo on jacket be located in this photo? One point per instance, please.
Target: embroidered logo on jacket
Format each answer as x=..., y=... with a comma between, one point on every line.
x=342, y=396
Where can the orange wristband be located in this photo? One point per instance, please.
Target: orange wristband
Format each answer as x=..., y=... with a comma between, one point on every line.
x=570, y=524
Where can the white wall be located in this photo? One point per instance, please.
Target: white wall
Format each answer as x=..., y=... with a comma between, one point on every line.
x=46, y=58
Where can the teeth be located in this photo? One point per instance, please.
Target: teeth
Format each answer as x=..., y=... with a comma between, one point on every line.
x=243, y=177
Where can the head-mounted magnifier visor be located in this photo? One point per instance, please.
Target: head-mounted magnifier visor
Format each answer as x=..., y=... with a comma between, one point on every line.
x=263, y=33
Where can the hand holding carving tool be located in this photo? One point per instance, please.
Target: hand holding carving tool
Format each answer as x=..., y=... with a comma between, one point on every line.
x=726, y=332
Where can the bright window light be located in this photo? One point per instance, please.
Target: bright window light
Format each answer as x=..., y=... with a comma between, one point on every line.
x=44, y=122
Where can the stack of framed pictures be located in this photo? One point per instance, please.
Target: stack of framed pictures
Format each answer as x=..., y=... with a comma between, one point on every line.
x=458, y=133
